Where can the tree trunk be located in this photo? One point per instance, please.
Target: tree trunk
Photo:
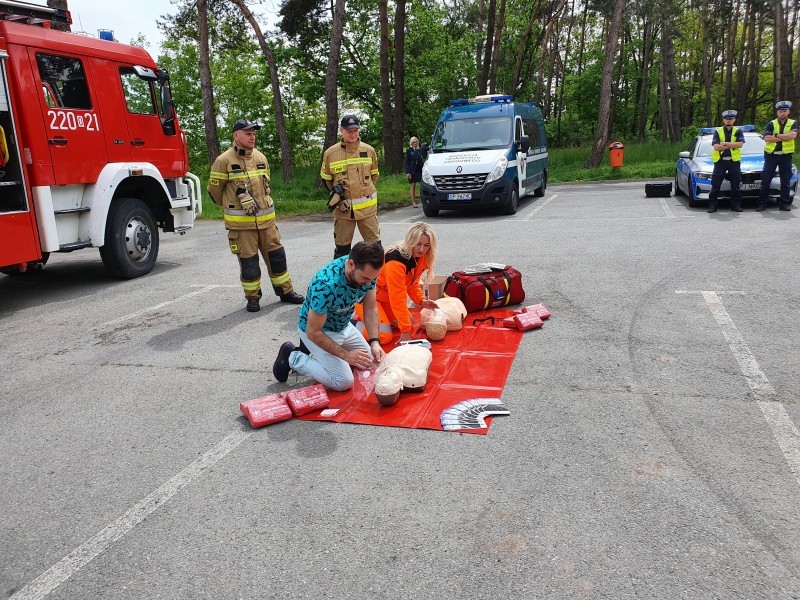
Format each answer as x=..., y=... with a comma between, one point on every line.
x=668, y=48
x=523, y=43
x=280, y=120
x=483, y=76
x=644, y=88
x=206, y=90
x=565, y=66
x=778, y=42
x=479, y=44
x=332, y=80
x=604, y=118
x=386, y=86
x=730, y=44
x=393, y=156
x=498, y=30
x=61, y=5
x=705, y=70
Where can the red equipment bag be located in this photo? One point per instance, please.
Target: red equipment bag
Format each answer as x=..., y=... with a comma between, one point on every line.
x=500, y=287
x=266, y=410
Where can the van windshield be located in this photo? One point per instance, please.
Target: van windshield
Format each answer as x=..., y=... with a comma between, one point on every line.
x=486, y=133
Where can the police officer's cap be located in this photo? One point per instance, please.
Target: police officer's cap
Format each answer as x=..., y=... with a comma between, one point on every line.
x=783, y=104
x=729, y=114
x=245, y=125
x=350, y=122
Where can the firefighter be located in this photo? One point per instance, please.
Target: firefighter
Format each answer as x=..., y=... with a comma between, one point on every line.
x=239, y=183
x=779, y=135
x=350, y=171
x=727, y=143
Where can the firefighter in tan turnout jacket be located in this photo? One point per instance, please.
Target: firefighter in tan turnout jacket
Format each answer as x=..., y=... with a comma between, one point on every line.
x=350, y=171
x=239, y=183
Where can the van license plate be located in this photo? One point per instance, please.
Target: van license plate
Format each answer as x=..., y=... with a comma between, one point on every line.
x=750, y=186
x=459, y=196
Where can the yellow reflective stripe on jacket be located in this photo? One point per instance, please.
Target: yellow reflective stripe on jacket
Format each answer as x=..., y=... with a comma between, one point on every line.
x=325, y=176
x=218, y=175
x=280, y=279
x=359, y=160
x=234, y=175
x=374, y=172
x=239, y=216
x=362, y=203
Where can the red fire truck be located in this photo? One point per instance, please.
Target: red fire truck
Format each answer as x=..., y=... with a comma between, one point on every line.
x=91, y=152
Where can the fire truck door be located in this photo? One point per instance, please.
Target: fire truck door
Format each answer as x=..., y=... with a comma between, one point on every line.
x=18, y=237
x=150, y=140
x=72, y=118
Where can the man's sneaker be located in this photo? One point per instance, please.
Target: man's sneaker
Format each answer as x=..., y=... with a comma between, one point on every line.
x=281, y=368
x=292, y=298
x=784, y=207
x=253, y=305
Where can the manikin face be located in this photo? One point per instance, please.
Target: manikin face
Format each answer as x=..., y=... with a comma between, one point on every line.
x=245, y=138
x=422, y=247
x=360, y=276
x=349, y=135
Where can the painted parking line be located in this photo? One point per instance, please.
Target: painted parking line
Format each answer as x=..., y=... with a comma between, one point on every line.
x=783, y=429
x=667, y=209
x=86, y=552
x=203, y=289
x=539, y=207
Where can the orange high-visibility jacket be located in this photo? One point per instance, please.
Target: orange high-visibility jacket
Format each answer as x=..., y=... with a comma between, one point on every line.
x=399, y=278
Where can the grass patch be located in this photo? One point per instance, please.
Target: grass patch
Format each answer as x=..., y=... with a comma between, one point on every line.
x=641, y=161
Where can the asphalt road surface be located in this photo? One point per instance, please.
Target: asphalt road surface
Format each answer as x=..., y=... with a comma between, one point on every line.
x=652, y=449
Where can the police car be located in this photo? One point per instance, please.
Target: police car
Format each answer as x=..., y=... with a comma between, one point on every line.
x=694, y=168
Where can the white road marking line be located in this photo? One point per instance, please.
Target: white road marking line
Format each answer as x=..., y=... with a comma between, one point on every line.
x=540, y=207
x=202, y=290
x=81, y=556
x=783, y=429
x=667, y=209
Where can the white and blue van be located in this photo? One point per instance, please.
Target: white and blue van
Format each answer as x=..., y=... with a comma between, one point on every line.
x=487, y=152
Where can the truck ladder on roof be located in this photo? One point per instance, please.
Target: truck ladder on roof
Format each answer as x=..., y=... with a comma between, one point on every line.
x=34, y=14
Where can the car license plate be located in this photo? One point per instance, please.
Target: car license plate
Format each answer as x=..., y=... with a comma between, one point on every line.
x=460, y=196
x=750, y=186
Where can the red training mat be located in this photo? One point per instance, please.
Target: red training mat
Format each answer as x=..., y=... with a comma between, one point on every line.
x=471, y=363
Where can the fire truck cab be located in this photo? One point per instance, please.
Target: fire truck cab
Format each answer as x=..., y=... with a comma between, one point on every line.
x=91, y=152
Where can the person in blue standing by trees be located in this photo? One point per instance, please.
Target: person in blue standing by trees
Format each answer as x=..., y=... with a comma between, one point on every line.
x=779, y=135
x=414, y=161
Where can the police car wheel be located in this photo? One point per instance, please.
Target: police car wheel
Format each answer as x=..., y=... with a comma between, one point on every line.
x=539, y=192
x=693, y=201
x=678, y=190
x=131, y=245
x=513, y=202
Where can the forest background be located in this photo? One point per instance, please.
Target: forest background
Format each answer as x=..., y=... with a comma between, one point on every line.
x=648, y=73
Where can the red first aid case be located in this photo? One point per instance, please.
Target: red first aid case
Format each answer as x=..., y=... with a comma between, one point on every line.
x=307, y=399
x=538, y=309
x=528, y=320
x=266, y=410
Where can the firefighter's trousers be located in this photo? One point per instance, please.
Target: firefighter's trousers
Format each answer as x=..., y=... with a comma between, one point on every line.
x=245, y=244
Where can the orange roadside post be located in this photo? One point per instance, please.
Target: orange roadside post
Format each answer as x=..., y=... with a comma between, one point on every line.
x=615, y=152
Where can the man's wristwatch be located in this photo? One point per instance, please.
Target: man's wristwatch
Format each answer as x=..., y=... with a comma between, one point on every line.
x=370, y=340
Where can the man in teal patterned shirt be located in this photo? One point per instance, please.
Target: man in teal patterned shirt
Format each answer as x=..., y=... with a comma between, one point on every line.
x=329, y=342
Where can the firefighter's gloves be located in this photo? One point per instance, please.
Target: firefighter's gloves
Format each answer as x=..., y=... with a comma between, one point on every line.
x=249, y=205
x=337, y=196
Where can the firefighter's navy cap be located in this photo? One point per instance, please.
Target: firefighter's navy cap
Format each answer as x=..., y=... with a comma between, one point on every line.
x=350, y=122
x=729, y=114
x=783, y=104
x=245, y=125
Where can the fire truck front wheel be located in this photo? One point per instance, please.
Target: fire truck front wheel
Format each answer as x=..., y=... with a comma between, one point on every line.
x=131, y=246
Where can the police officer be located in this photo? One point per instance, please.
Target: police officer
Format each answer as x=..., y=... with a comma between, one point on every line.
x=727, y=143
x=350, y=170
x=779, y=135
x=239, y=183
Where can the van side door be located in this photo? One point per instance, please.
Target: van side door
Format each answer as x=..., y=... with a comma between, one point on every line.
x=71, y=117
x=522, y=157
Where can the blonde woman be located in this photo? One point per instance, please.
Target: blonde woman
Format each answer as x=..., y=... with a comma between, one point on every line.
x=400, y=278
x=414, y=162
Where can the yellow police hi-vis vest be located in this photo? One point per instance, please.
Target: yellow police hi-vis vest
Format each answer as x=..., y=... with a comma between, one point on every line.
x=736, y=153
x=788, y=146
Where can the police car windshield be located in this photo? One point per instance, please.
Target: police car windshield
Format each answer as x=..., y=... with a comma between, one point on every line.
x=480, y=133
x=753, y=144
